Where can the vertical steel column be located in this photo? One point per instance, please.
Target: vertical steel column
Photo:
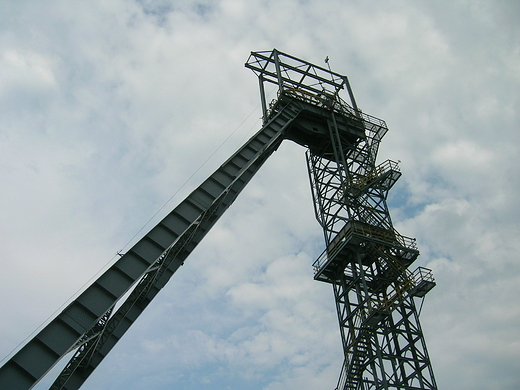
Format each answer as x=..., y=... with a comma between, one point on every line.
x=278, y=70
x=263, y=99
x=350, y=93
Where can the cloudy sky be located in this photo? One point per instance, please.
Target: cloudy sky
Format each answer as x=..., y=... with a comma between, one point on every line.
x=112, y=111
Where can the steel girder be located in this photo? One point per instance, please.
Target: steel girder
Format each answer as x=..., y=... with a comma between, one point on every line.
x=94, y=322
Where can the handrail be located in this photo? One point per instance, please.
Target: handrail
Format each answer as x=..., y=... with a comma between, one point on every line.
x=391, y=236
x=380, y=170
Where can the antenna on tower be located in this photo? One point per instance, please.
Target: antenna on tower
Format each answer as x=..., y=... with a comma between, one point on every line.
x=327, y=62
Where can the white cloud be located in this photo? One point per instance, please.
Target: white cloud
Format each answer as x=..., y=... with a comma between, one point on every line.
x=107, y=108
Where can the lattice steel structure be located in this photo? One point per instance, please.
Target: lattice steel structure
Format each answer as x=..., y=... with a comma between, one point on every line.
x=366, y=260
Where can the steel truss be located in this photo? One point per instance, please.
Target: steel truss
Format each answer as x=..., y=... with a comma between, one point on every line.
x=367, y=261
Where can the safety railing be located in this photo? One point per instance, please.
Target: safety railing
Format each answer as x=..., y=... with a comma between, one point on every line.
x=324, y=99
x=360, y=229
x=386, y=166
x=333, y=102
x=422, y=274
x=383, y=234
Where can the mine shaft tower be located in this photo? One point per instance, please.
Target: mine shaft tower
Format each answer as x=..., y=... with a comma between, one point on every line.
x=366, y=260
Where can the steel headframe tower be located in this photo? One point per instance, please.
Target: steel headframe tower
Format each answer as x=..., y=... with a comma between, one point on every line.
x=365, y=259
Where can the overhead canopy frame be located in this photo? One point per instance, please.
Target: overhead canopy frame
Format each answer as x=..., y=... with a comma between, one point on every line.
x=289, y=72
